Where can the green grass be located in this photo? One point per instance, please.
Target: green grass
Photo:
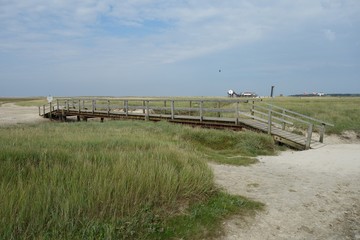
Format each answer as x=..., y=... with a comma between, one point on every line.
x=227, y=147
x=112, y=180
x=202, y=219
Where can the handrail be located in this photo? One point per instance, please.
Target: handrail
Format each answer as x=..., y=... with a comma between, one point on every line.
x=283, y=114
x=302, y=115
x=164, y=99
x=308, y=120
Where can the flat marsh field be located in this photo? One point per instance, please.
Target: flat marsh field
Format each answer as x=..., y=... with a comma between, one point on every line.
x=133, y=179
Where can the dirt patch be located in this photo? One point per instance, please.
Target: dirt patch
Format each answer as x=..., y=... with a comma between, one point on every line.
x=11, y=114
x=312, y=194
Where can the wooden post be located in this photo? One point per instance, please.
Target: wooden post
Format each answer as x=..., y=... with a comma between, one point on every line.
x=269, y=121
x=237, y=113
x=44, y=110
x=165, y=107
x=201, y=111
x=79, y=105
x=126, y=103
x=147, y=110
x=283, y=119
x=57, y=104
x=253, y=108
x=322, y=133
x=39, y=111
x=308, y=139
x=50, y=113
x=108, y=107
x=93, y=106
x=190, y=105
x=172, y=110
x=143, y=105
x=67, y=105
x=218, y=106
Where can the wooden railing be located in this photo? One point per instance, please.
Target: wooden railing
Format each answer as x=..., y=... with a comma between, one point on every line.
x=282, y=118
x=232, y=111
x=171, y=108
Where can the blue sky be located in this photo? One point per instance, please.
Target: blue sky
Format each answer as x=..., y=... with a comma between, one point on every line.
x=176, y=48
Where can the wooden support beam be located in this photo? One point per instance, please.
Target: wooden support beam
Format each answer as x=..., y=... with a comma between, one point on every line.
x=50, y=113
x=218, y=106
x=237, y=114
x=172, y=110
x=322, y=133
x=269, y=121
x=308, y=138
x=147, y=114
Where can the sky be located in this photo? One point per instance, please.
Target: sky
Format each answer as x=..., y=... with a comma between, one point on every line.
x=178, y=47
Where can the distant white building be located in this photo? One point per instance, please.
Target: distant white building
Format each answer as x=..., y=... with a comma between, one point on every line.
x=232, y=93
x=248, y=94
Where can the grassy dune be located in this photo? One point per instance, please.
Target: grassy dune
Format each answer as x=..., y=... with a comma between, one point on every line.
x=116, y=180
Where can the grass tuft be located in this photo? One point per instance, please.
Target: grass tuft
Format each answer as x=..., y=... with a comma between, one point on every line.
x=203, y=219
x=228, y=147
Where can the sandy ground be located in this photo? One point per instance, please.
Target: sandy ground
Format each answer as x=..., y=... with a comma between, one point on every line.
x=312, y=194
x=11, y=114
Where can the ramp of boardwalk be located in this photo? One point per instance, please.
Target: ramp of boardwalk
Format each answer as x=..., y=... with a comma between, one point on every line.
x=237, y=114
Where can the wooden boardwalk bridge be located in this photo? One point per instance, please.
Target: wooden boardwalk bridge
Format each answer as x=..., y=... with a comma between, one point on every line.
x=237, y=114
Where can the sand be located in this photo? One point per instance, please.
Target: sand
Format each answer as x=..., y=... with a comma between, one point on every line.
x=10, y=114
x=312, y=194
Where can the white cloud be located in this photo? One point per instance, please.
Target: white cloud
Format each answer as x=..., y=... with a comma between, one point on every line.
x=168, y=30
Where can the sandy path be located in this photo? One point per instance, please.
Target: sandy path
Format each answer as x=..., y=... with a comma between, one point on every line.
x=12, y=114
x=312, y=194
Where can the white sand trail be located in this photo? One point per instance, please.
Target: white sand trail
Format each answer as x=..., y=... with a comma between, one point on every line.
x=312, y=194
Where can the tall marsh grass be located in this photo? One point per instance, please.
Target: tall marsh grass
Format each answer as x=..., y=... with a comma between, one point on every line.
x=107, y=180
x=56, y=178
